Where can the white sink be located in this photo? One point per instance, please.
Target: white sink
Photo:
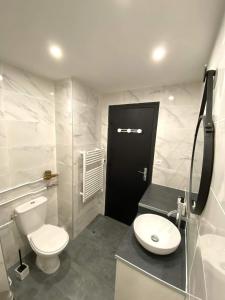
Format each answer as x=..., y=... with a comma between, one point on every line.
x=156, y=234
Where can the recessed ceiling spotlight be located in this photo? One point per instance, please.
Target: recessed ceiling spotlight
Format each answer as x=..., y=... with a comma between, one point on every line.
x=171, y=98
x=1, y=77
x=158, y=54
x=52, y=94
x=56, y=51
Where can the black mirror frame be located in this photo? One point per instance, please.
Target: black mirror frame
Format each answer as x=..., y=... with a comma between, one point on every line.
x=197, y=205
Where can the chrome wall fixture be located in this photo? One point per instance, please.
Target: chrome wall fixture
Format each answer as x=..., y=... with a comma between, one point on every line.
x=21, y=185
x=48, y=175
x=129, y=130
x=24, y=195
x=46, y=178
x=5, y=225
x=42, y=189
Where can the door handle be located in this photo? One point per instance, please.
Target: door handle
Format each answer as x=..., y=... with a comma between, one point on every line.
x=145, y=173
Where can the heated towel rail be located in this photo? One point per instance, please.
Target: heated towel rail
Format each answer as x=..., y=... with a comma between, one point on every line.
x=93, y=169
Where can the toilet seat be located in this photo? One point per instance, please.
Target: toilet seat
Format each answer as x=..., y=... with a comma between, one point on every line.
x=48, y=240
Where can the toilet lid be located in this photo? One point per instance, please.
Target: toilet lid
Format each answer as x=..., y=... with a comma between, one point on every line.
x=49, y=239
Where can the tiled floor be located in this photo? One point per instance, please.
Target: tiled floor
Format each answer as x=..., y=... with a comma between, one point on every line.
x=87, y=270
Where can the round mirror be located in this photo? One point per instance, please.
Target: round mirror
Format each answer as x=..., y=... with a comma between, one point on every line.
x=201, y=165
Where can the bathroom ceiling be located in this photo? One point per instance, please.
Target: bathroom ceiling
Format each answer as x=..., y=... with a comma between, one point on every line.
x=108, y=43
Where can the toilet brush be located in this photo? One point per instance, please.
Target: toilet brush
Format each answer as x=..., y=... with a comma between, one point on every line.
x=22, y=266
x=23, y=269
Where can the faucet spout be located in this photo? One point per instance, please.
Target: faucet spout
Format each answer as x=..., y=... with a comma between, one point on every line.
x=179, y=212
x=171, y=213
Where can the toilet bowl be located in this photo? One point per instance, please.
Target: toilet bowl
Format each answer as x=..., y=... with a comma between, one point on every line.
x=46, y=240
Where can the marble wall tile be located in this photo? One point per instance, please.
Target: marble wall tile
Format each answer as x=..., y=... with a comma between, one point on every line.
x=27, y=147
x=180, y=116
x=213, y=217
x=20, y=107
x=198, y=288
x=64, y=122
x=87, y=213
x=219, y=170
x=12, y=241
x=25, y=108
x=52, y=206
x=63, y=113
x=5, y=181
x=23, y=82
x=170, y=177
x=86, y=123
x=211, y=233
x=63, y=89
x=86, y=136
x=175, y=132
x=28, y=134
x=4, y=161
x=30, y=157
x=174, y=147
x=183, y=95
x=1, y=73
x=193, y=225
x=63, y=132
x=24, y=175
x=64, y=155
x=1, y=104
x=211, y=244
x=206, y=275
x=4, y=282
x=84, y=94
x=219, y=106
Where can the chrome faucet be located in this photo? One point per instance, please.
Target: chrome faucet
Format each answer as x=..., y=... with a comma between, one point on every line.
x=180, y=212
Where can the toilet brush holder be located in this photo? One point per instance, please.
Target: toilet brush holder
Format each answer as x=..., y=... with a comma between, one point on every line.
x=22, y=270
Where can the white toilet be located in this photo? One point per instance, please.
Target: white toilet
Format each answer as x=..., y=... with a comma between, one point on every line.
x=47, y=241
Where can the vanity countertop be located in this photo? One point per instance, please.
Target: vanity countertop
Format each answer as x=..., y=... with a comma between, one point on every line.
x=168, y=269
x=160, y=198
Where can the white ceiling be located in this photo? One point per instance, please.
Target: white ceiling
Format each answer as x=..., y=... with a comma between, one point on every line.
x=107, y=43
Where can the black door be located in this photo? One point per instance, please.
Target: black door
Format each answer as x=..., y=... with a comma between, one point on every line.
x=129, y=158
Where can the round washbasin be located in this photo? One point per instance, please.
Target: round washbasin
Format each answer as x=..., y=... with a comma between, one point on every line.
x=156, y=234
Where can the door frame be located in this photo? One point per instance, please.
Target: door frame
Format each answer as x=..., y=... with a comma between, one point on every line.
x=155, y=106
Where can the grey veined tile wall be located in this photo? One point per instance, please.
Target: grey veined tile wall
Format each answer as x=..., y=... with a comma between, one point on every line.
x=63, y=111
x=27, y=146
x=77, y=129
x=175, y=132
x=86, y=136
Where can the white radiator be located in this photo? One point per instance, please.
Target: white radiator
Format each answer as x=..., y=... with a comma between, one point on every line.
x=93, y=169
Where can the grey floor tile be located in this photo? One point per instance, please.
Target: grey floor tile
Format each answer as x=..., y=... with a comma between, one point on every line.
x=87, y=270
